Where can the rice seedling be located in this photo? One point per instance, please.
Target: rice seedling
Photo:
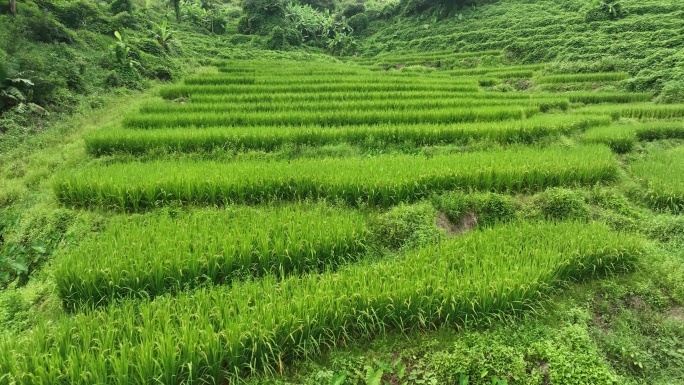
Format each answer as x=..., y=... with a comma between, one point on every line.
x=376, y=181
x=145, y=256
x=606, y=97
x=138, y=142
x=329, y=118
x=620, y=138
x=649, y=131
x=663, y=174
x=173, y=92
x=353, y=105
x=215, y=334
x=279, y=80
x=488, y=70
x=584, y=77
x=368, y=96
x=638, y=111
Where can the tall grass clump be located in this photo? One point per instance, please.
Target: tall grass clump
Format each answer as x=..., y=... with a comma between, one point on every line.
x=663, y=174
x=182, y=140
x=214, y=334
x=377, y=181
x=148, y=255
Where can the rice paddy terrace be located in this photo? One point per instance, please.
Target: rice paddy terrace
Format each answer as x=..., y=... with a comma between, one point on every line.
x=215, y=268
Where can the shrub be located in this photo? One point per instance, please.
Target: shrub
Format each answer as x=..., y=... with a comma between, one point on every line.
x=261, y=16
x=276, y=39
x=358, y=23
x=562, y=204
x=489, y=208
x=672, y=92
x=45, y=29
x=408, y=226
x=353, y=10
x=118, y=6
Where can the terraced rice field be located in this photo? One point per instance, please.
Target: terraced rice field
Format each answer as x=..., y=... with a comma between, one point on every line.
x=215, y=267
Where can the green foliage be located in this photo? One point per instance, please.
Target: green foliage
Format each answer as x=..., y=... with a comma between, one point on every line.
x=408, y=226
x=163, y=34
x=672, y=92
x=261, y=16
x=276, y=39
x=358, y=23
x=319, y=28
x=210, y=16
x=119, y=6
x=353, y=10
x=562, y=204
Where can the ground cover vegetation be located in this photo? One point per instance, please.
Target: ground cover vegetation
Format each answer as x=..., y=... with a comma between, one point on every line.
x=332, y=192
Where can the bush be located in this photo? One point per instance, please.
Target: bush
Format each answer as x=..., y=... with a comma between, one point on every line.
x=118, y=6
x=489, y=208
x=407, y=226
x=45, y=29
x=320, y=5
x=562, y=204
x=353, y=9
x=276, y=39
x=673, y=92
x=261, y=16
x=358, y=23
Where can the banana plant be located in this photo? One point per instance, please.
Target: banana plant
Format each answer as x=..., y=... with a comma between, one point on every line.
x=15, y=89
x=163, y=34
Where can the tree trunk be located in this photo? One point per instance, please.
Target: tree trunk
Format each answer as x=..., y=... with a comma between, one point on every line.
x=13, y=7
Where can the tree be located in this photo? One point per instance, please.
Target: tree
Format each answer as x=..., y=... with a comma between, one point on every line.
x=13, y=7
x=176, y=9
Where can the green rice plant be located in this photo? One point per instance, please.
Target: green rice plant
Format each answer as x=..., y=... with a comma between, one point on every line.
x=638, y=111
x=606, y=97
x=368, y=96
x=148, y=255
x=138, y=142
x=649, y=131
x=511, y=74
x=280, y=79
x=663, y=174
x=488, y=70
x=353, y=105
x=216, y=334
x=328, y=118
x=173, y=92
x=376, y=181
x=584, y=77
x=620, y=138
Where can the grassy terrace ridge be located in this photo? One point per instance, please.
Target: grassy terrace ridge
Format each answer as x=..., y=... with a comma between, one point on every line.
x=381, y=180
x=183, y=140
x=217, y=333
x=149, y=255
x=663, y=174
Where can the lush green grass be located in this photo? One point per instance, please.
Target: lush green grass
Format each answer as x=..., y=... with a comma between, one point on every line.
x=660, y=130
x=330, y=118
x=145, y=256
x=258, y=326
x=663, y=174
x=140, y=141
x=381, y=180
